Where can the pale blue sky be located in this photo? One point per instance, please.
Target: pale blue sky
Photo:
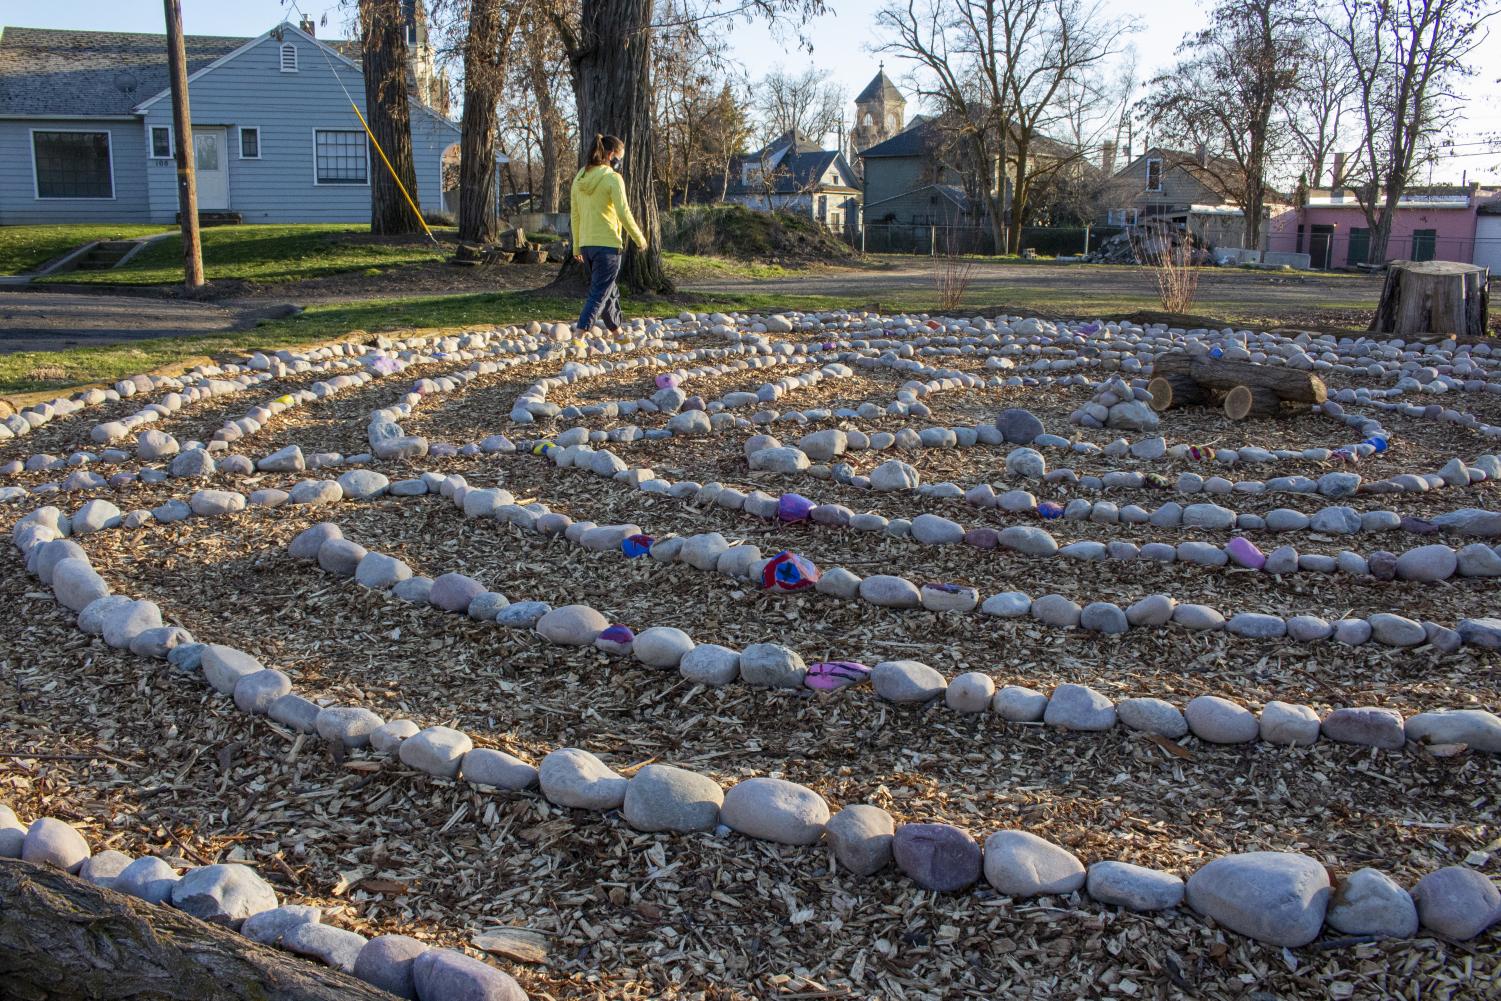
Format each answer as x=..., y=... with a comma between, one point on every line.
x=842, y=43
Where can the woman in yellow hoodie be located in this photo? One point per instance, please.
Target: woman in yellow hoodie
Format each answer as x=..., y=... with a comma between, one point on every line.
x=599, y=212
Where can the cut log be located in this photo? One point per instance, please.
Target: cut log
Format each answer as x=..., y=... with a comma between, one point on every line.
x=63, y=939
x=1433, y=297
x=1174, y=390
x=1251, y=401
x=1218, y=373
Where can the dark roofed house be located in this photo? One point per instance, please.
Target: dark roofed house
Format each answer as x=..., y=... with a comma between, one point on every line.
x=914, y=182
x=86, y=129
x=793, y=174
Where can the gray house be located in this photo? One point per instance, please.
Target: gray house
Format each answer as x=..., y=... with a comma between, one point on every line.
x=86, y=129
x=792, y=174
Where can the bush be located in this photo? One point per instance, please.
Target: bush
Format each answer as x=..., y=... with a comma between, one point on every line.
x=736, y=231
x=437, y=218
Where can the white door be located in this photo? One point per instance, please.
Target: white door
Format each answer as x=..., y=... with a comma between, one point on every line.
x=211, y=163
x=1488, y=242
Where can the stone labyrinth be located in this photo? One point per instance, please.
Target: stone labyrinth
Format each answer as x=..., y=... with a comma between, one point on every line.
x=800, y=656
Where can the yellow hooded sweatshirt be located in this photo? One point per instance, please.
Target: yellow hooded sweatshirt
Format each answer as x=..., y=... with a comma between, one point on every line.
x=599, y=209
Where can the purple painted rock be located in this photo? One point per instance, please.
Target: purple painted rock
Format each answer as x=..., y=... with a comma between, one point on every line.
x=616, y=640
x=1048, y=510
x=830, y=675
x=794, y=507
x=1383, y=565
x=668, y=381
x=982, y=538
x=453, y=592
x=1244, y=553
x=1417, y=526
x=787, y=571
x=937, y=856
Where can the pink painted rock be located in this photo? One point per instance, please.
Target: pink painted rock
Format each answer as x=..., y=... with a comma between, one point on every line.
x=982, y=538
x=1244, y=553
x=830, y=675
x=668, y=381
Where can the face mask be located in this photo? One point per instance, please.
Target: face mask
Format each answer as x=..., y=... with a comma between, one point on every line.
x=615, y=163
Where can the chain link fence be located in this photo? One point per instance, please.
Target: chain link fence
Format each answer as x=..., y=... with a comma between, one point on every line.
x=941, y=240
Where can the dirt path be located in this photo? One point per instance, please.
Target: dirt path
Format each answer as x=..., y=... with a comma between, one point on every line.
x=51, y=321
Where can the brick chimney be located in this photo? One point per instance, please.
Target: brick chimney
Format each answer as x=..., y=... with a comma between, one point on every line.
x=1337, y=178
x=1107, y=157
x=307, y=25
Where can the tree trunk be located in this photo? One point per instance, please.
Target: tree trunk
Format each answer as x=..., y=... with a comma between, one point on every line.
x=1018, y=198
x=552, y=139
x=62, y=939
x=611, y=64
x=482, y=82
x=1433, y=297
x=383, y=47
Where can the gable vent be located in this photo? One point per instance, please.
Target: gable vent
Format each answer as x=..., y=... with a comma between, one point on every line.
x=289, y=58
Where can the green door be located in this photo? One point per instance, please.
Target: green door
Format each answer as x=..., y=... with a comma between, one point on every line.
x=1424, y=242
x=1360, y=246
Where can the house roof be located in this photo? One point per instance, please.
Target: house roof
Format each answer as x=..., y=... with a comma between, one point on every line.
x=91, y=73
x=800, y=171
x=917, y=139
x=881, y=88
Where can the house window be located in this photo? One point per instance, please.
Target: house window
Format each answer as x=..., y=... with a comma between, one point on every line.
x=250, y=142
x=161, y=142
x=823, y=206
x=72, y=165
x=1154, y=175
x=341, y=156
x=289, y=58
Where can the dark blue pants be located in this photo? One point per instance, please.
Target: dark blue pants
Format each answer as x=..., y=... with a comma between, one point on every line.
x=603, y=303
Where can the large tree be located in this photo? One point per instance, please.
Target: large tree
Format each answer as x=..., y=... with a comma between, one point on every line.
x=1224, y=97
x=383, y=47
x=1406, y=57
x=809, y=103
x=1318, y=106
x=486, y=44
x=609, y=57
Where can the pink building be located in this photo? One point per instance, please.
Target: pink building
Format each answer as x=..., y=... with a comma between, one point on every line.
x=1432, y=223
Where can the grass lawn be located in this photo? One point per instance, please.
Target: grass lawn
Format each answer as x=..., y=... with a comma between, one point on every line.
x=26, y=247
x=270, y=254
x=34, y=372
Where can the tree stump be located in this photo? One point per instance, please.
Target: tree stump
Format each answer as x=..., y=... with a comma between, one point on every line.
x=1251, y=401
x=1433, y=297
x=63, y=939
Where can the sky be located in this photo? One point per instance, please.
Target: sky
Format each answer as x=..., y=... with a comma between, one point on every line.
x=844, y=42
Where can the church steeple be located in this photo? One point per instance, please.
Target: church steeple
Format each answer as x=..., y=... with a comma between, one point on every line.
x=880, y=111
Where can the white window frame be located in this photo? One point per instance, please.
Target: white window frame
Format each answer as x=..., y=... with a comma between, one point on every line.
x=335, y=184
x=282, y=57
x=240, y=147
x=36, y=183
x=1158, y=161
x=151, y=143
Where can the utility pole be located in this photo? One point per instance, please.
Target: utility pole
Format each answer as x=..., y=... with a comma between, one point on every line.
x=182, y=127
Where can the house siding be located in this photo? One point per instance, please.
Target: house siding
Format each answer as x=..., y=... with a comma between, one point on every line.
x=1453, y=230
x=888, y=177
x=251, y=90
x=18, y=201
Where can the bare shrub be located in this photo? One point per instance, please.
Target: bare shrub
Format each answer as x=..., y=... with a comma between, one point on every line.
x=1174, y=268
x=953, y=273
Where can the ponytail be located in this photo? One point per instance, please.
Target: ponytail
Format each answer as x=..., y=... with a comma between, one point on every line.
x=604, y=148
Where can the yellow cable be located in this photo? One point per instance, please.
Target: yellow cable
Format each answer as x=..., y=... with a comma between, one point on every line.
x=376, y=143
